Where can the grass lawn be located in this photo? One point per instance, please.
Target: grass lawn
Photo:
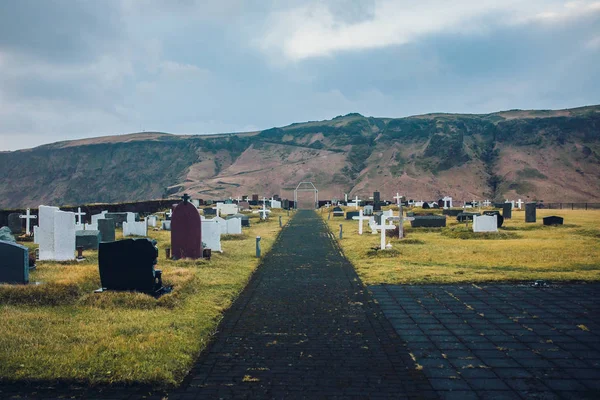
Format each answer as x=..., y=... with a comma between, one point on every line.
x=60, y=329
x=519, y=252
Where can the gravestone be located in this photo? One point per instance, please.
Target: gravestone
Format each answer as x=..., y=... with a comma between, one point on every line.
x=55, y=234
x=120, y=217
x=129, y=265
x=135, y=228
x=465, y=216
x=338, y=212
x=244, y=205
x=452, y=212
x=186, y=231
x=553, y=220
x=507, y=210
x=255, y=198
x=87, y=239
x=425, y=206
x=152, y=220
x=351, y=214
x=499, y=218
x=15, y=223
x=368, y=210
x=166, y=225
x=530, y=212
x=485, y=223
x=286, y=204
x=376, y=201
x=14, y=263
x=377, y=216
x=244, y=218
x=210, y=211
x=107, y=229
x=6, y=235
x=428, y=221
x=211, y=234
x=234, y=226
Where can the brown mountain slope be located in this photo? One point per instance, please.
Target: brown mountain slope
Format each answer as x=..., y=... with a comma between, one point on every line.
x=544, y=155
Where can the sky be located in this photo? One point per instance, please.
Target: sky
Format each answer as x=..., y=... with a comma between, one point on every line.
x=76, y=69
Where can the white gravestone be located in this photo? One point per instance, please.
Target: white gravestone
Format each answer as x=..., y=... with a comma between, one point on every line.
x=152, y=221
x=166, y=225
x=485, y=223
x=55, y=234
x=275, y=203
x=234, y=226
x=211, y=234
x=368, y=210
x=135, y=228
x=222, y=225
x=227, y=209
x=373, y=225
x=360, y=220
x=447, y=202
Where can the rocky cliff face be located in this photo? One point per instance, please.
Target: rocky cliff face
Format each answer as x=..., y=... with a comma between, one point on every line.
x=543, y=155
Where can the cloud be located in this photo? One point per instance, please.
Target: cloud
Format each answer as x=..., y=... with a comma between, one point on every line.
x=314, y=30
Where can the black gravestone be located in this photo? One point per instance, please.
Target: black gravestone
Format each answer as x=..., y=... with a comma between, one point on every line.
x=376, y=201
x=507, y=210
x=210, y=211
x=338, y=212
x=286, y=204
x=106, y=227
x=465, y=216
x=553, y=220
x=14, y=263
x=351, y=214
x=15, y=223
x=530, y=212
x=452, y=212
x=129, y=265
x=499, y=205
x=499, y=219
x=429, y=221
x=87, y=239
x=425, y=206
x=117, y=217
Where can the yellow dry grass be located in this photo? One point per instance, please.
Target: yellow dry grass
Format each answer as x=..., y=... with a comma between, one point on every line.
x=60, y=329
x=521, y=252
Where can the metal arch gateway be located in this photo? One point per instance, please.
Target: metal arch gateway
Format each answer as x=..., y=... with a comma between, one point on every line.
x=306, y=187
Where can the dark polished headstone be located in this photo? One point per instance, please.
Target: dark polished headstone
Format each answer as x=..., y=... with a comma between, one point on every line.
x=286, y=204
x=186, y=232
x=255, y=198
x=499, y=219
x=118, y=217
x=106, y=226
x=129, y=265
x=425, y=206
x=507, y=210
x=210, y=211
x=15, y=223
x=429, y=221
x=376, y=201
x=452, y=212
x=14, y=263
x=351, y=214
x=530, y=212
x=338, y=212
x=465, y=216
x=87, y=239
x=553, y=220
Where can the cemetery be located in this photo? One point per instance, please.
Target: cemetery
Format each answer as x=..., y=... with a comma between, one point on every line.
x=457, y=249
x=146, y=325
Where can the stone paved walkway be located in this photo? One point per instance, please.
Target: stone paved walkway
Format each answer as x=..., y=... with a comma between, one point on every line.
x=501, y=341
x=304, y=327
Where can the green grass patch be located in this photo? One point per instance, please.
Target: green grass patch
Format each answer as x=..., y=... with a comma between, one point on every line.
x=61, y=330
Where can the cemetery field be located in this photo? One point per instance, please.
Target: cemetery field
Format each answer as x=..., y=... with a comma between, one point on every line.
x=518, y=252
x=61, y=330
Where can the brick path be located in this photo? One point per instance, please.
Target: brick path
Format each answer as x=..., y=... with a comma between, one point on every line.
x=501, y=341
x=304, y=327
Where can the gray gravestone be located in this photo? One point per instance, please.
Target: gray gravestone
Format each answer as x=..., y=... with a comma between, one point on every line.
x=6, y=234
x=14, y=263
x=15, y=223
x=507, y=210
x=87, y=239
x=351, y=214
x=530, y=212
x=376, y=201
x=465, y=216
x=106, y=226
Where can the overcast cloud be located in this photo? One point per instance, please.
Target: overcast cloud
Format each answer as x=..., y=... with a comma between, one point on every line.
x=75, y=69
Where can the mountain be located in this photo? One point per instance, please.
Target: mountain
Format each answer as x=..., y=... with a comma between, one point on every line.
x=543, y=155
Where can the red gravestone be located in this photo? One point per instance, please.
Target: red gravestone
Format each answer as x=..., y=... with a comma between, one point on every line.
x=186, y=231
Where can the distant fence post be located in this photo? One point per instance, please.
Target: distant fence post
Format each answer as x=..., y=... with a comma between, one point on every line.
x=340, y=231
x=258, y=247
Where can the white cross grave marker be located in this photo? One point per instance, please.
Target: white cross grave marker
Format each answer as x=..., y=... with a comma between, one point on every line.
x=398, y=198
x=487, y=203
x=79, y=214
x=383, y=227
x=360, y=220
x=27, y=217
x=401, y=220
x=170, y=213
x=356, y=202
x=519, y=203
